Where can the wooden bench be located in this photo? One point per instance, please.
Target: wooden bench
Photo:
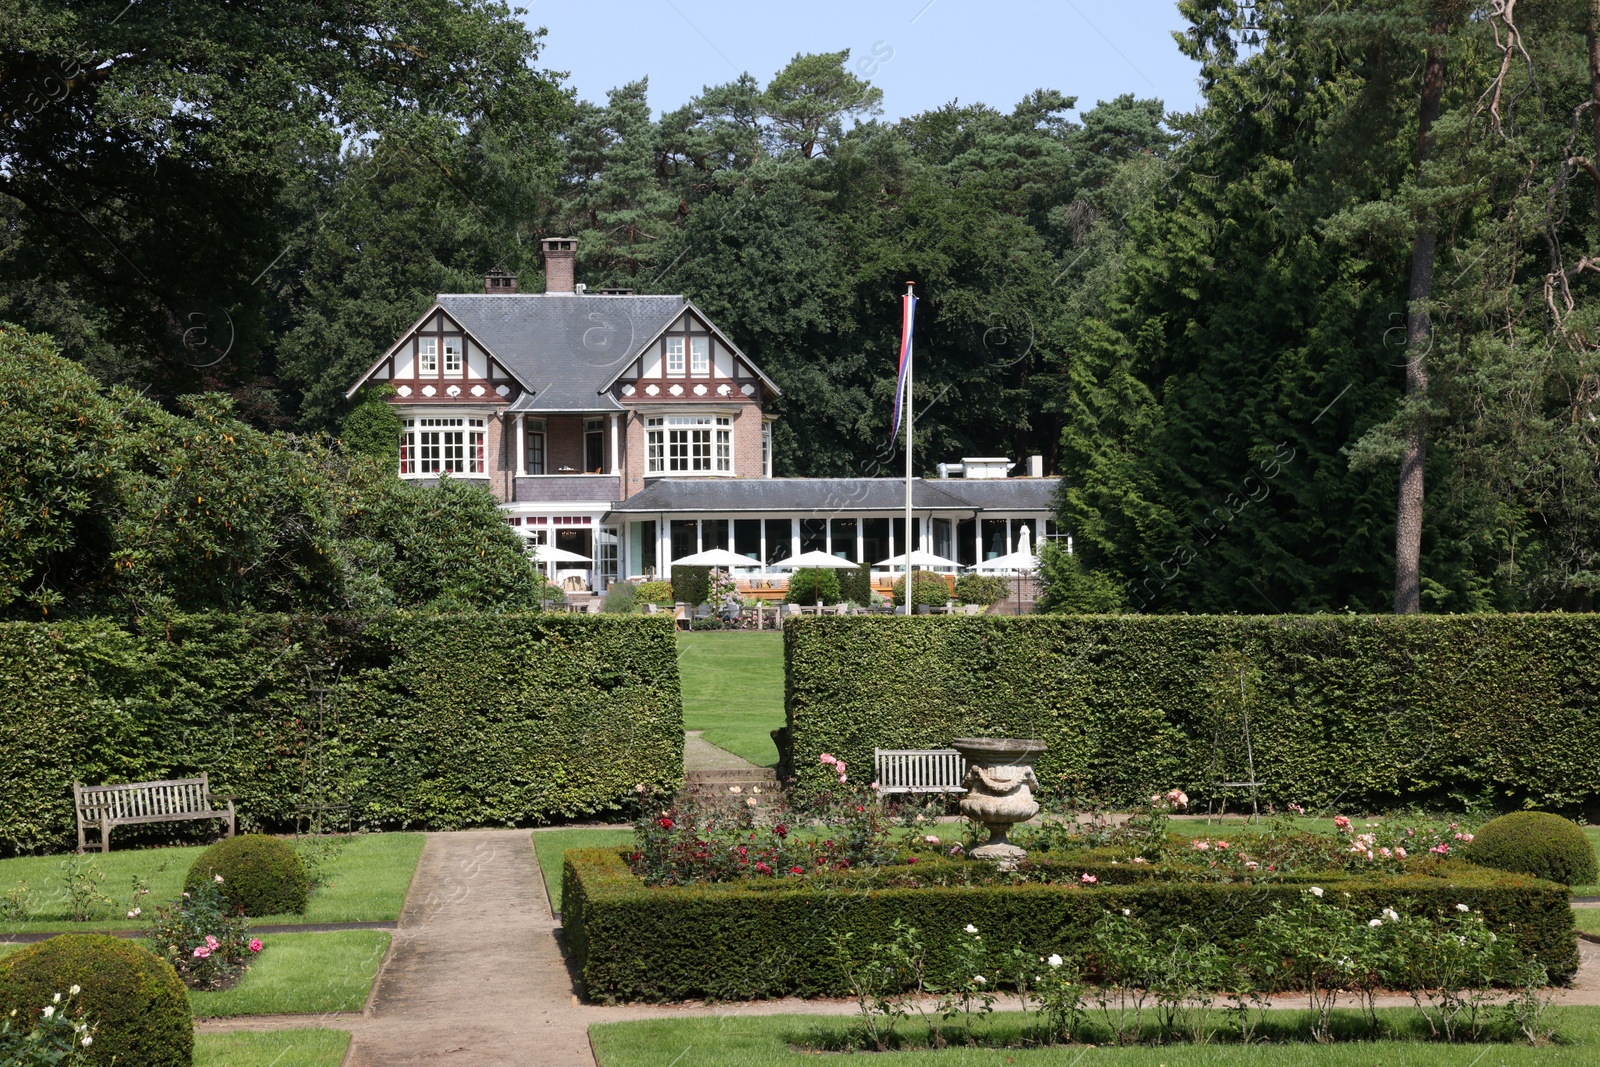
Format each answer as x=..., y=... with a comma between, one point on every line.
x=106, y=806
x=918, y=770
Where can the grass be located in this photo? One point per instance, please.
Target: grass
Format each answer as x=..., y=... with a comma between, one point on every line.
x=549, y=845
x=1587, y=919
x=734, y=1040
x=368, y=883
x=733, y=690
x=272, y=1048
x=299, y=973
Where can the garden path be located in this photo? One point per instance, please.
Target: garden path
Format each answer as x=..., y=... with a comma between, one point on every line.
x=701, y=755
x=476, y=973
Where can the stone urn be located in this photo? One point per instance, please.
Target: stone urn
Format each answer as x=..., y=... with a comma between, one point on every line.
x=999, y=786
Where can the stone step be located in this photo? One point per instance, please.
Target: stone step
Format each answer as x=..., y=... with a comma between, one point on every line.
x=762, y=776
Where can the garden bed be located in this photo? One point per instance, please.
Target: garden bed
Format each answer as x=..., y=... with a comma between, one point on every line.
x=779, y=936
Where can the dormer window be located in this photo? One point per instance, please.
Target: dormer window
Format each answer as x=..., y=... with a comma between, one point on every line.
x=675, y=357
x=452, y=355
x=428, y=355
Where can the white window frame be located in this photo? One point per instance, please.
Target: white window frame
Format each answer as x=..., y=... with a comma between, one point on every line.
x=675, y=347
x=454, y=350
x=689, y=444
x=428, y=357
x=766, y=449
x=431, y=445
x=700, y=357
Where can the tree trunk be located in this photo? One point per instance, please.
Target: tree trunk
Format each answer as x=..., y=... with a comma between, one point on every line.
x=1594, y=89
x=1419, y=338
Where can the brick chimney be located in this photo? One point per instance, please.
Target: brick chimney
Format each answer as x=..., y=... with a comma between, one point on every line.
x=499, y=283
x=558, y=253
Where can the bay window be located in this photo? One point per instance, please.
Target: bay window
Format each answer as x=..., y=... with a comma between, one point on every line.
x=433, y=446
x=689, y=444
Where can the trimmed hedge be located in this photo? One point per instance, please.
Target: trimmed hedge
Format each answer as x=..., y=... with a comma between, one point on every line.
x=770, y=938
x=437, y=721
x=132, y=997
x=260, y=875
x=1536, y=843
x=1362, y=711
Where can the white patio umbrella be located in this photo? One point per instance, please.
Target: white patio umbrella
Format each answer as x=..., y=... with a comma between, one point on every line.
x=1018, y=562
x=816, y=559
x=552, y=554
x=919, y=558
x=716, y=557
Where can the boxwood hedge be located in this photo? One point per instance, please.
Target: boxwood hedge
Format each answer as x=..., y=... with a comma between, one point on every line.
x=1361, y=711
x=438, y=720
x=771, y=937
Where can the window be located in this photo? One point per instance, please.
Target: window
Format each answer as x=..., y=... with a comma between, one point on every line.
x=700, y=355
x=452, y=355
x=431, y=447
x=690, y=444
x=533, y=434
x=780, y=539
x=594, y=446
x=675, y=356
x=766, y=449
x=427, y=355
x=606, y=541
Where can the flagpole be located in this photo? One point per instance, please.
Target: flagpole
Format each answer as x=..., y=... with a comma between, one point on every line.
x=911, y=538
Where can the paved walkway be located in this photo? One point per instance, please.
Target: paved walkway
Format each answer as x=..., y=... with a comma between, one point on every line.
x=476, y=975
x=701, y=755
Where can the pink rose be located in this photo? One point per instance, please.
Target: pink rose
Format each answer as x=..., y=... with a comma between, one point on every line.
x=255, y=944
x=1088, y=879
x=212, y=942
x=201, y=952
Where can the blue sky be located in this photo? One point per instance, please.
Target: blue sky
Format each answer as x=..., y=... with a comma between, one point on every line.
x=920, y=54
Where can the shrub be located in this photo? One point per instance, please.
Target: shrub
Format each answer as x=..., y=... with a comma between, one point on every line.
x=1066, y=586
x=926, y=588
x=206, y=941
x=771, y=937
x=260, y=875
x=691, y=584
x=432, y=720
x=1379, y=711
x=985, y=589
x=856, y=585
x=813, y=585
x=1536, y=843
x=653, y=592
x=620, y=598
x=133, y=999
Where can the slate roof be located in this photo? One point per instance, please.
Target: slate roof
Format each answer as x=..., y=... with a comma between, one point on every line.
x=828, y=495
x=566, y=349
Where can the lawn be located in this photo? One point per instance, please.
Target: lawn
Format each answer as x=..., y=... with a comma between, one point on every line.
x=272, y=1048
x=735, y=1040
x=733, y=690
x=548, y=845
x=368, y=882
x=298, y=973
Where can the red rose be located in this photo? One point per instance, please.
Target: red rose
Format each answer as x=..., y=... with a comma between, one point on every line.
x=664, y=822
x=911, y=859
x=797, y=870
x=780, y=829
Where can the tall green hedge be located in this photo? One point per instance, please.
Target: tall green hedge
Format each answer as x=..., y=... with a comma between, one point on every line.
x=772, y=938
x=1350, y=711
x=437, y=721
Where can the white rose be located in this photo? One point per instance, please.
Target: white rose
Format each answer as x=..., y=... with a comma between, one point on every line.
x=971, y=929
x=1054, y=960
x=1316, y=891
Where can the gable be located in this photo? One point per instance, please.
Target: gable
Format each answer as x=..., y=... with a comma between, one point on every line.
x=438, y=359
x=691, y=358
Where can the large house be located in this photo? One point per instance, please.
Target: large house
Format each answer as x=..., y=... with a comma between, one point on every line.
x=630, y=430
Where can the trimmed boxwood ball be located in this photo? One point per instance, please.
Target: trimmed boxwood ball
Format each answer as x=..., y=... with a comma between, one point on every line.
x=1536, y=843
x=260, y=874
x=132, y=997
